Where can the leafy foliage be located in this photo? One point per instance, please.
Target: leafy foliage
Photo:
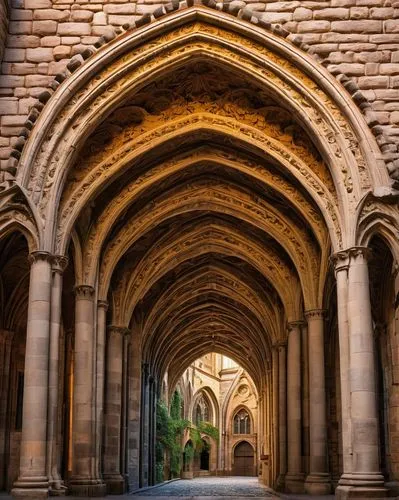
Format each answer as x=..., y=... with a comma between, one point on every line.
x=170, y=429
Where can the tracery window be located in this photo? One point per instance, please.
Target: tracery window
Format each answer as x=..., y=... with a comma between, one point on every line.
x=201, y=411
x=242, y=423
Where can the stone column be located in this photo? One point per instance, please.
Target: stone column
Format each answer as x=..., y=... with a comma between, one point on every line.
x=144, y=425
x=5, y=362
x=318, y=481
x=59, y=264
x=113, y=407
x=125, y=407
x=282, y=414
x=305, y=397
x=294, y=478
x=33, y=479
x=275, y=370
x=341, y=261
x=134, y=410
x=365, y=480
x=102, y=307
x=84, y=481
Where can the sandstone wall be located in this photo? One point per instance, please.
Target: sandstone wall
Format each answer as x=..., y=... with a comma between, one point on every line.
x=360, y=38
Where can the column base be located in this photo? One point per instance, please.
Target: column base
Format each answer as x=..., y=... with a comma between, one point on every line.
x=318, y=484
x=294, y=482
x=115, y=484
x=87, y=488
x=361, y=485
x=280, y=483
x=31, y=487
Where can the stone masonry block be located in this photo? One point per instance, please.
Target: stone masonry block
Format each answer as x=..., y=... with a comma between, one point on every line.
x=38, y=4
x=41, y=54
x=78, y=29
x=19, y=41
x=14, y=55
x=44, y=28
x=330, y=14
x=80, y=16
x=373, y=82
x=362, y=26
x=302, y=14
x=20, y=27
x=51, y=15
x=50, y=41
x=313, y=26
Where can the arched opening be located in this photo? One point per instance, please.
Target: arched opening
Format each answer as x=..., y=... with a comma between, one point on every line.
x=205, y=174
x=244, y=460
x=14, y=290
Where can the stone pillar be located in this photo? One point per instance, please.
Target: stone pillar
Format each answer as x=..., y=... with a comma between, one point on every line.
x=134, y=410
x=84, y=481
x=365, y=480
x=59, y=264
x=294, y=478
x=113, y=407
x=282, y=414
x=33, y=479
x=5, y=362
x=144, y=425
x=341, y=261
x=305, y=397
x=274, y=458
x=125, y=407
x=152, y=430
x=318, y=482
x=102, y=307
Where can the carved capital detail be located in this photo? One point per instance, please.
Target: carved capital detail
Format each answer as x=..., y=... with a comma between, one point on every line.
x=40, y=256
x=103, y=304
x=84, y=292
x=295, y=325
x=315, y=314
x=117, y=330
x=364, y=252
x=59, y=263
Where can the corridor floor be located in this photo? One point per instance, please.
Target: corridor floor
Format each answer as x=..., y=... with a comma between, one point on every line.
x=217, y=487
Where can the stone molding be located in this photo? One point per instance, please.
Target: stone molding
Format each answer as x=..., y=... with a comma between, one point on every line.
x=103, y=304
x=315, y=314
x=84, y=292
x=40, y=255
x=388, y=147
x=59, y=263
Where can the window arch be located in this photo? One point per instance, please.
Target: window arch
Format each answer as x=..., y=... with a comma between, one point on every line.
x=201, y=411
x=242, y=422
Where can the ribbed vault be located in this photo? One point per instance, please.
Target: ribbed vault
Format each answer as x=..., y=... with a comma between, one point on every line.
x=202, y=173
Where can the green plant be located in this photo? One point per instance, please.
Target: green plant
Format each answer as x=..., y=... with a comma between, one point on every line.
x=170, y=428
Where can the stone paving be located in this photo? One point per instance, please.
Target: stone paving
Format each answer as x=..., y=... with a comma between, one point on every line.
x=236, y=488
x=218, y=487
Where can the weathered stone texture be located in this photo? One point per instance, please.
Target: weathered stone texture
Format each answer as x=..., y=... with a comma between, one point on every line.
x=359, y=37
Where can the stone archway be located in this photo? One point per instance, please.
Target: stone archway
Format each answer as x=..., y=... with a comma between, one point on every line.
x=203, y=174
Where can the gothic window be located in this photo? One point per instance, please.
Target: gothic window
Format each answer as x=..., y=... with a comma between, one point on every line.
x=242, y=423
x=201, y=411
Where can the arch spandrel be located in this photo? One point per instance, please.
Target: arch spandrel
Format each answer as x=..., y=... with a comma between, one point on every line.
x=344, y=145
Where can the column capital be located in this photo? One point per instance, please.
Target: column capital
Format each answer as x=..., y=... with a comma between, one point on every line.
x=40, y=255
x=84, y=291
x=294, y=325
x=59, y=263
x=103, y=304
x=343, y=256
x=280, y=344
x=315, y=314
x=340, y=261
x=119, y=330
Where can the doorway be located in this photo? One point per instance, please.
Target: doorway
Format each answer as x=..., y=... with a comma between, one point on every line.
x=244, y=460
